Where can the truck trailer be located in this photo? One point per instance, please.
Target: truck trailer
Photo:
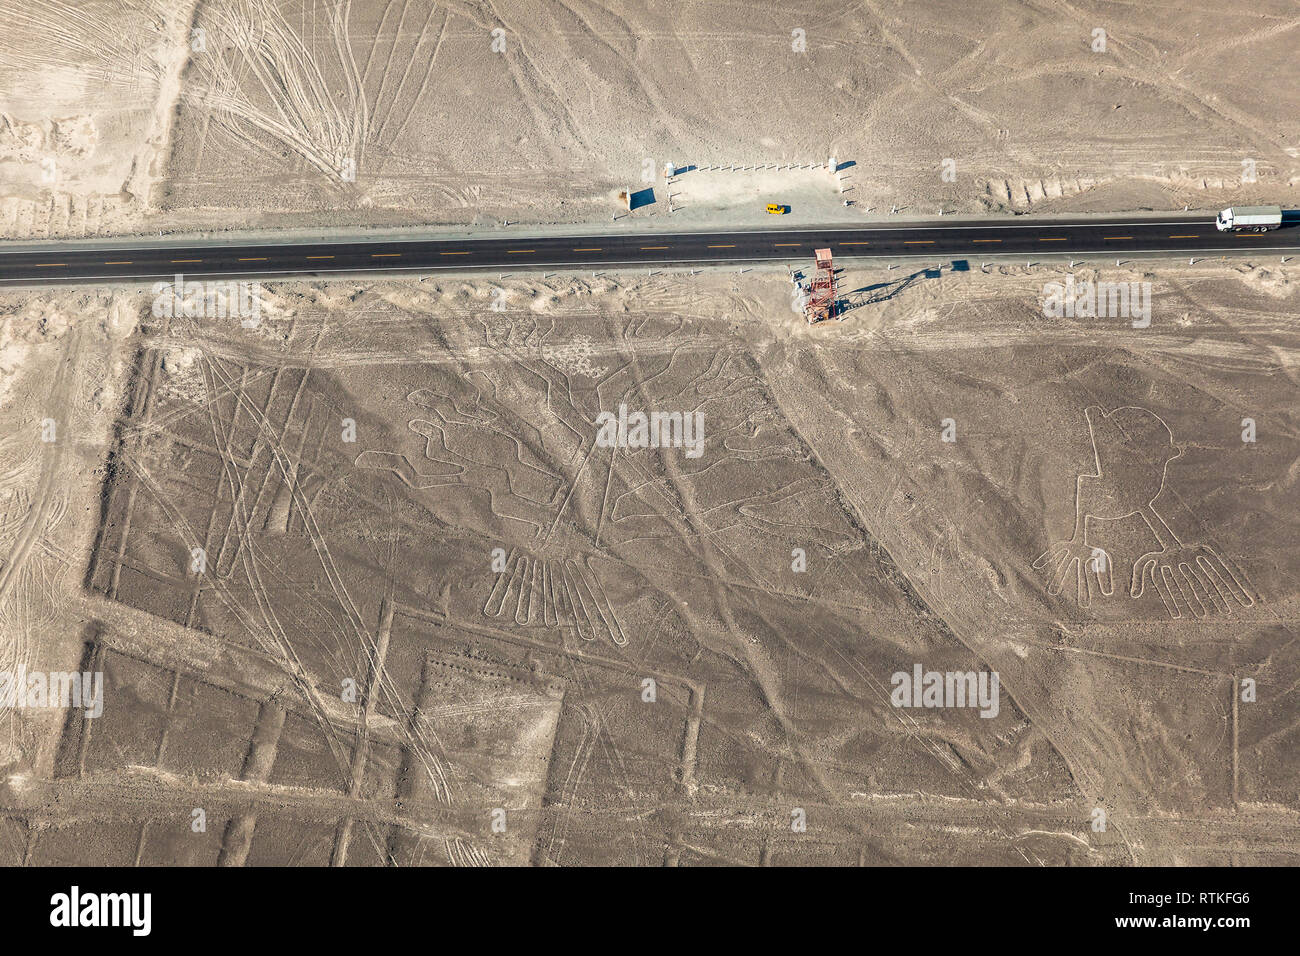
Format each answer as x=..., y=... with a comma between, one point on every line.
x=1249, y=219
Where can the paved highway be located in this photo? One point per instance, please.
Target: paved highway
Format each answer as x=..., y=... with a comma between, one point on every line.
x=1174, y=235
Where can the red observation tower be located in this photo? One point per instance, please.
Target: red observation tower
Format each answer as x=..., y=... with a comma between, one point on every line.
x=821, y=297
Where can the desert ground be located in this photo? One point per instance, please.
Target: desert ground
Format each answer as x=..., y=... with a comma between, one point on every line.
x=371, y=561
x=214, y=115
x=366, y=588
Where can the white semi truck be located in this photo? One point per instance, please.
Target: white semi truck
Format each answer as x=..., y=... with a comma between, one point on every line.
x=1249, y=219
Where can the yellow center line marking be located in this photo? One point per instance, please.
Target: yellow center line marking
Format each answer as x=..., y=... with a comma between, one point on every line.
x=986, y=240
x=49, y=263
x=453, y=253
x=722, y=247
x=855, y=243
x=519, y=251
x=919, y=242
x=787, y=243
x=1053, y=239
x=654, y=247
x=320, y=257
x=1184, y=237
x=1247, y=235
x=588, y=249
x=119, y=262
x=254, y=259
x=1116, y=237
x=187, y=260
x=385, y=255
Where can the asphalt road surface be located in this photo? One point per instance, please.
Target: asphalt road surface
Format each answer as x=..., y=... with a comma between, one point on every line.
x=1173, y=235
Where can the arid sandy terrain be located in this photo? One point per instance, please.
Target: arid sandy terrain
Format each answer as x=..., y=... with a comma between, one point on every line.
x=366, y=586
x=182, y=115
x=372, y=561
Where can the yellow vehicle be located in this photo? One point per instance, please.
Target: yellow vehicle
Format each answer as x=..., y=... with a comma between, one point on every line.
x=776, y=209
